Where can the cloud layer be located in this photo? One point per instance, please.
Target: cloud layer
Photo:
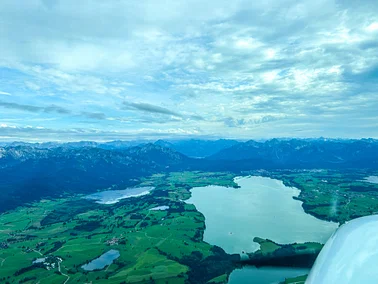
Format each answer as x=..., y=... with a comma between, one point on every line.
x=173, y=68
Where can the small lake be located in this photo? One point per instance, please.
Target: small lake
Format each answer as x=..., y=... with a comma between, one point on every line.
x=39, y=260
x=114, y=196
x=261, y=207
x=102, y=261
x=265, y=275
x=160, y=208
x=372, y=179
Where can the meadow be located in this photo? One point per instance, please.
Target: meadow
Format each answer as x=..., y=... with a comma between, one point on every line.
x=155, y=246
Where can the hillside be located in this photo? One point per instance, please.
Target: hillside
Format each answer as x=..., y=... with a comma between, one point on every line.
x=29, y=174
x=297, y=153
x=197, y=148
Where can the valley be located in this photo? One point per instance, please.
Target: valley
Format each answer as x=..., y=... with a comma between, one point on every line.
x=159, y=246
x=164, y=245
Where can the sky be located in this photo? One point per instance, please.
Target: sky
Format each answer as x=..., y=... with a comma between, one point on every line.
x=148, y=69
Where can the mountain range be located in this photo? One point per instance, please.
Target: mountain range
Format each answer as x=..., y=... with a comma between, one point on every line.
x=191, y=148
x=29, y=172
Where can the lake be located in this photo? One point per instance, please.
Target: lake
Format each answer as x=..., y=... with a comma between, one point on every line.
x=264, y=275
x=372, y=179
x=39, y=260
x=160, y=208
x=114, y=196
x=102, y=261
x=261, y=207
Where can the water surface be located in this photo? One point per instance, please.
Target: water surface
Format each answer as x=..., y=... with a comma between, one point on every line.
x=160, y=208
x=372, y=179
x=39, y=260
x=265, y=275
x=114, y=196
x=261, y=207
x=102, y=261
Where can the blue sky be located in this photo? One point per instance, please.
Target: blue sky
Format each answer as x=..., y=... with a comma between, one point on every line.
x=107, y=70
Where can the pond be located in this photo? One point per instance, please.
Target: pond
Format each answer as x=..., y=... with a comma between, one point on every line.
x=39, y=260
x=102, y=261
x=261, y=207
x=114, y=196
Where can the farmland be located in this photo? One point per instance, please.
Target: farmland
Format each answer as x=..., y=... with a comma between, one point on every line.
x=155, y=246
x=158, y=246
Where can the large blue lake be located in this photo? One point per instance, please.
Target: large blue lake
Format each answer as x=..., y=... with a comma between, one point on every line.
x=261, y=207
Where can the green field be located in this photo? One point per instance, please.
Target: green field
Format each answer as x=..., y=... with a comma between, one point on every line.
x=154, y=246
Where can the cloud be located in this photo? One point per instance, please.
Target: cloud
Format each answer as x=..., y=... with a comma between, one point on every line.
x=225, y=68
x=252, y=121
x=5, y=93
x=149, y=108
x=40, y=134
x=31, y=108
x=32, y=86
x=196, y=117
x=94, y=115
x=50, y=109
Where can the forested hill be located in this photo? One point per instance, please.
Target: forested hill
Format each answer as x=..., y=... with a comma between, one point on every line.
x=297, y=153
x=28, y=173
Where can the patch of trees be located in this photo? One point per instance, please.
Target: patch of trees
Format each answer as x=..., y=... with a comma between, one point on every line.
x=286, y=256
x=144, y=224
x=364, y=188
x=56, y=246
x=136, y=216
x=203, y=269
x=198, y=236
x=28, y=268
x=177, y=208
x=88, y=226
x=160, y=193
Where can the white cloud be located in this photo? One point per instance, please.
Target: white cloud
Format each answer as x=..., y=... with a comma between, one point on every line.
x=5, y=93
x=373, y=27
x=32, y=86
x=247, y=43
x=3, y=125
